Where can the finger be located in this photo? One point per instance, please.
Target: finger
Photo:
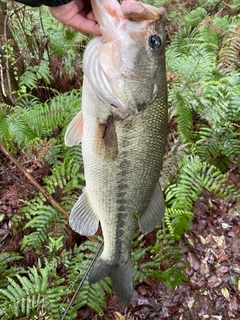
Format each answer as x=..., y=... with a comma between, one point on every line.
x=69, y=15
x=84, y=25
x=90, y=16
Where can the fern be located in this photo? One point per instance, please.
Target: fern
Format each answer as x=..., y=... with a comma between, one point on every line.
x=229, y=52
x=194, y=176
x=185, y=121
x=40, y=291
x=23, y=125
x=173, y=276
x=148, y=260
x=177, y=221
x=66, y=176
x=5, y=271
x=34, y=74
x=42, y=217
x=195, y=17
x=78, y=260
x=170, y=167
x=202, y=89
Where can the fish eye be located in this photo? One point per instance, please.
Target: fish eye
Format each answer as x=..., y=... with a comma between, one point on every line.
x=155, y=42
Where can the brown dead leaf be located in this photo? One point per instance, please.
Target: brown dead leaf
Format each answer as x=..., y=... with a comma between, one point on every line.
x=222, y=270
x=204, y=266
x=223, y=258
x=214, y=281
x=118, y=316
x=194, y=262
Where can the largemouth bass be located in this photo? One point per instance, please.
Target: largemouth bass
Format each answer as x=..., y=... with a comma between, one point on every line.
x=123, y=129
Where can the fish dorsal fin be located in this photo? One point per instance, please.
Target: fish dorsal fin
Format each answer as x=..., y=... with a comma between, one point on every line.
x=82, y=218
x=154, y=211
x=74, y=131
x=106, y=145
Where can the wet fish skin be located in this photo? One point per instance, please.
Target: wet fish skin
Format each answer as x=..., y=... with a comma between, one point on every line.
x=123, y=129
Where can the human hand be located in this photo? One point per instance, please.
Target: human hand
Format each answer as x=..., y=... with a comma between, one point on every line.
x=77, y=14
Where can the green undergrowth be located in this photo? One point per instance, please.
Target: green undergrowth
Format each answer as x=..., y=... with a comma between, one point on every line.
x=204, y=94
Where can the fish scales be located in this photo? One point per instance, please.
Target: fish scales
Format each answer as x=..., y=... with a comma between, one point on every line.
x=123, y=132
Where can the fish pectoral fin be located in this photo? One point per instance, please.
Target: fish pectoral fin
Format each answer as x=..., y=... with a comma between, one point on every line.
x=74, y=131
x=106, y=145
x=154, y=212
x=82, y=218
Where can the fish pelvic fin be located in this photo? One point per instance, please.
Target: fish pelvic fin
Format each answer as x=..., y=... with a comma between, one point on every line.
x=120, y=275
x=154, y=212
x=74, y=131
x=82, y=218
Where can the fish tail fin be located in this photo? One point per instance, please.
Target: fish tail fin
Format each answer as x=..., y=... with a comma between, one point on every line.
x=120, y=275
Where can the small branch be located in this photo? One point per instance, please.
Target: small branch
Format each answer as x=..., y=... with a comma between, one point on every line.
x=7, y=61
x=2, y=81
x=33, y=181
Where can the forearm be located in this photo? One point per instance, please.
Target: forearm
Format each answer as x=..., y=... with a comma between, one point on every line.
x=49, y=3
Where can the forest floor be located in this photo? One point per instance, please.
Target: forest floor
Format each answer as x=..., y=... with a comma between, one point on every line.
x=212, y=249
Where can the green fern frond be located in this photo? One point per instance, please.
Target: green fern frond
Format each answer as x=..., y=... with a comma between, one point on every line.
x=218, y=148
x=171, y=161
x=34, y=74
x=177, y=221
x=27, y=101
x=5, y=271
x=208, y=35
x=229, y=53
x=148, y=260
x=145, y=270
x=195, y=175
x=173, y=276
x=166, y=253
x=42, y=218
x=184, y=119
x=5, y=134
x=27, y=295
x=194, y=17
x=78, y=261
x=183, y=41
x=92, y=296
x=24, y=125
x=44, y=118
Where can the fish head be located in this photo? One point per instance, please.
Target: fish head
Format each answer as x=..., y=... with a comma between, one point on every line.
x=126, y=65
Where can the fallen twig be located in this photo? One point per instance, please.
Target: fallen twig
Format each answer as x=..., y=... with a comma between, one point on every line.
x=33, y=181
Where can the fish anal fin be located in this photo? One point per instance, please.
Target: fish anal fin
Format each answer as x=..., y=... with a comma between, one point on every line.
x=82, y=218
x=154, y=212
x=106, y=140
x=74, y=131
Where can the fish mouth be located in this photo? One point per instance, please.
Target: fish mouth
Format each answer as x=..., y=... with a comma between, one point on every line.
x=111, y=62
x=112, y=16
